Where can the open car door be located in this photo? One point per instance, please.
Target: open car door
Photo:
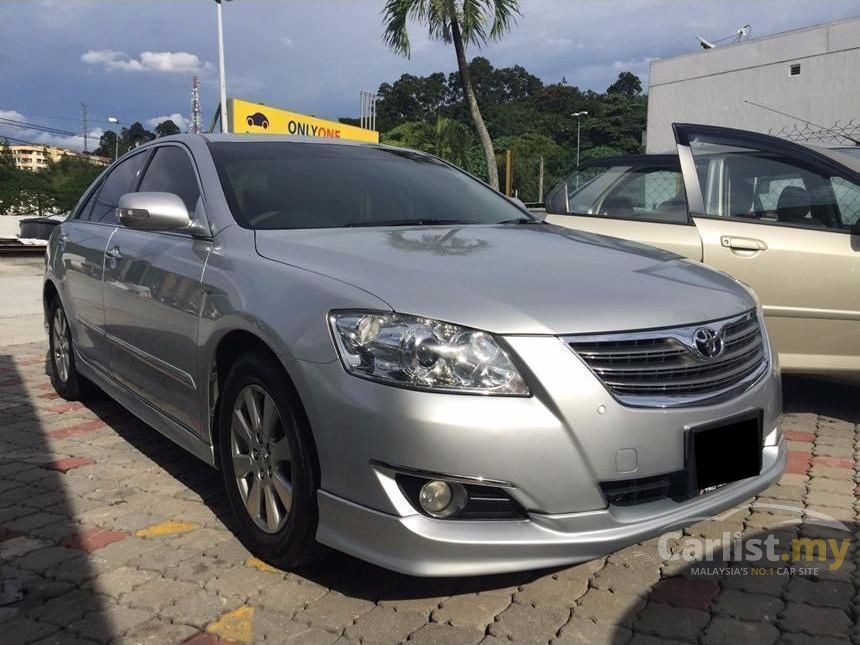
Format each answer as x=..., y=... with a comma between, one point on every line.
x=783, y=218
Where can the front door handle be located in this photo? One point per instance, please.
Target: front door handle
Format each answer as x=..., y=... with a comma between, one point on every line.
x=113, y=253
x=742, y=243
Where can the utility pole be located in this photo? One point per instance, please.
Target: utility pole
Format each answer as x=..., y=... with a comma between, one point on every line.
x=195, y=104
x=508, y=171
x=578, y=116
x=84, y=125
x=222, y=79
x=540, y=181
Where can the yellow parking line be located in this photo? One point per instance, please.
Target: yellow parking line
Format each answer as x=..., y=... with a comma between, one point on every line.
x=236, y=626
x=262, y=566
x=168, y=527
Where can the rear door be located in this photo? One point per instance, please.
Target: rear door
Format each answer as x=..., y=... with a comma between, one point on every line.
x=639, y=199
x=153, y=294
x=783, y=219
x=81, y=246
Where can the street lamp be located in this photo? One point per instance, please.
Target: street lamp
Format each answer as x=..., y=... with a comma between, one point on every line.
x=223, y=80
x=113, y=119
x=578, y=116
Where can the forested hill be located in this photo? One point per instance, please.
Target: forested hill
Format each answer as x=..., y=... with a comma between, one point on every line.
x=523, y=114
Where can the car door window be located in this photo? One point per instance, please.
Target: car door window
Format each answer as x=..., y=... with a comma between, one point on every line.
x=120, y=181
x=170, y=171
x=83, y=213
x=622, y=192
x=647, y=194
x=770, y=187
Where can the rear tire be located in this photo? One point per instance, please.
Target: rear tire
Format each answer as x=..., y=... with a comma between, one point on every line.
x=65, y=378
x=268, y=463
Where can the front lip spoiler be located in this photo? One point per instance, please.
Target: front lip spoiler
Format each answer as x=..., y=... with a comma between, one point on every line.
x=422, y=546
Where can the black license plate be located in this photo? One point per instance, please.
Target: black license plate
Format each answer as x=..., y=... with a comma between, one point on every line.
x=724, y=452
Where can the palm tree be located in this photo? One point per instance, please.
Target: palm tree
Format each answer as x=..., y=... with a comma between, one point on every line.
x=461, y=22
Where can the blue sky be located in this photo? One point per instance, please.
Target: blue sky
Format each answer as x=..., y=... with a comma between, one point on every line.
x=135, y=59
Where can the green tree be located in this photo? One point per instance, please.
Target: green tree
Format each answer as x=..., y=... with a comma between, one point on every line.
x=460, y=22
x=627, y=84
x=166, y=128
x=106, y=145
x=67, y=179
x=11, y=181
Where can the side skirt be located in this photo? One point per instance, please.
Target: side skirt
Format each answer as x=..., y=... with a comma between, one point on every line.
x=143, y=410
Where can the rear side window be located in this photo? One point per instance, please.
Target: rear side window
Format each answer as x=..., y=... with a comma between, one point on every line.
x=170, y=171
x=120, y=181
x=623, y=192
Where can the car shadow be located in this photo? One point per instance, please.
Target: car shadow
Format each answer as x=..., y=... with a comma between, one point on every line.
x=46, y=559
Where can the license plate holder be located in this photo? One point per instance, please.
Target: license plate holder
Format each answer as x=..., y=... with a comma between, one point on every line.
x=723, y=452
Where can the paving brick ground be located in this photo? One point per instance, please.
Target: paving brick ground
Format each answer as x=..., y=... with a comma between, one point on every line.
x=110, y=533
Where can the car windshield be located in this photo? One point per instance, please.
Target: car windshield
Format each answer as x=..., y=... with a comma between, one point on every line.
x=289, y=185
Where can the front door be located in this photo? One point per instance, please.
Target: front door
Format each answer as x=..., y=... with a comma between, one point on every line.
x=782, y=218
x=153, y=293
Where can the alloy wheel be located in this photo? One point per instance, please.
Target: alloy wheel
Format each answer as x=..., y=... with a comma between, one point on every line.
x=61, y=345
x=260, y=451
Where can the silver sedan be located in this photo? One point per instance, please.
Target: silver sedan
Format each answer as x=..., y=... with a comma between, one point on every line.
x=383, y=355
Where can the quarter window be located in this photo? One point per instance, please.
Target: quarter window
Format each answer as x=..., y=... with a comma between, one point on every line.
x=170, y=171
x=120, y=181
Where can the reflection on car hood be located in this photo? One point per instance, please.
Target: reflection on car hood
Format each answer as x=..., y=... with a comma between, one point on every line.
x=537, y=279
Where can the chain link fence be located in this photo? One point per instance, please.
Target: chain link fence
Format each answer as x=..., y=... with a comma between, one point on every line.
x=839, y=134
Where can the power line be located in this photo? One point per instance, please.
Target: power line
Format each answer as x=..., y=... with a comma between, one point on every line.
x=24, y=125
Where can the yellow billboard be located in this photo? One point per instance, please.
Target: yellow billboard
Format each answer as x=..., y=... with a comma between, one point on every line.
x=256, y=118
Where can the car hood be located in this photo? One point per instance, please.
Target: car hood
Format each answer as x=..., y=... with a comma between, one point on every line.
x=514, y=279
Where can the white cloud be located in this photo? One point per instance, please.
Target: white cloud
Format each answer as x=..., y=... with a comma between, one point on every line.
x=164, y=62
x=30, y=135
x=287, y=41
x=177, y=118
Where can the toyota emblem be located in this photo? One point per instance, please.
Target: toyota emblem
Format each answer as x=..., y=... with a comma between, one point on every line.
x=708, y=343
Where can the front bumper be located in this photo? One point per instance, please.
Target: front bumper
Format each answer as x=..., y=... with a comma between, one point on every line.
x=554, y=448
x=422, y=546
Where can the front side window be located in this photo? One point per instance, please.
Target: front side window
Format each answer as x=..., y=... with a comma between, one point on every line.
x=120, y=181
x=768, y=187
x=286, y=185
x=170, y=171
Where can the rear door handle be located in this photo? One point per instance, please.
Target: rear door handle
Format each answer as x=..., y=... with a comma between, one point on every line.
x=742, y=243
x=113, y=253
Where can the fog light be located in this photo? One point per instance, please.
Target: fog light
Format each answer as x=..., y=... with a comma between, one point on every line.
x=441, y=499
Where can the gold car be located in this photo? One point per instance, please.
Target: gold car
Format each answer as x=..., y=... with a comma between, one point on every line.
x=779, y=216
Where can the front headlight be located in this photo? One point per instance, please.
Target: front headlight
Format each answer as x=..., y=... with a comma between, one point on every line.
x=424, y=354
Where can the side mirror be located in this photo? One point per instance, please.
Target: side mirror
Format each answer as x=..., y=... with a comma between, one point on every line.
x=153, y=211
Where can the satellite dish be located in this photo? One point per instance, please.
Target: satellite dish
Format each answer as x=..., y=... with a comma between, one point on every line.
x=706, y=44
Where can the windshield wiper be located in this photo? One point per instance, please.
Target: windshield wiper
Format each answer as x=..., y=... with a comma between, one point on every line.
x=523, y=220
x=410, y=222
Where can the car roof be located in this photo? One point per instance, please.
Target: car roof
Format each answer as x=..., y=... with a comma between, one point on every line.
x=639, y=161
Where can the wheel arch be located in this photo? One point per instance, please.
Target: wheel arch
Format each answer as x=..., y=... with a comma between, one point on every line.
x=49, y=292
x=230, y=347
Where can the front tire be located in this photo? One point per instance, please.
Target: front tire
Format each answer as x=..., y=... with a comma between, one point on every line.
x=64, y=373
x=267, y=463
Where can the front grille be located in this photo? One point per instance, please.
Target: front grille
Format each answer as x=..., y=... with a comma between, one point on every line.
x=665, y=367
x=630, y=492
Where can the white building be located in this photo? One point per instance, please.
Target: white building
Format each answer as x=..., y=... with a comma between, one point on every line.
x=812, y=74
